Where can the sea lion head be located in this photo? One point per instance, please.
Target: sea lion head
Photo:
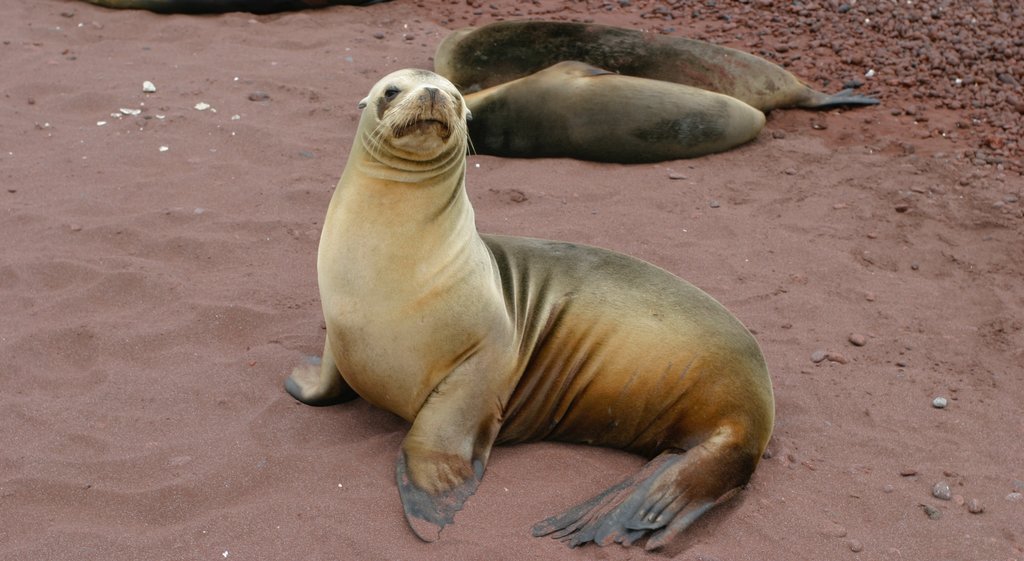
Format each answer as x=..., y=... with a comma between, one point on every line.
x=414, y=115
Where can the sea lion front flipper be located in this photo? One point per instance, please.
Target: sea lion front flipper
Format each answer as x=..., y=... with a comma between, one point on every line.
x=668, y=494
x=428, y=513
x=443, y=456
x=318, y=382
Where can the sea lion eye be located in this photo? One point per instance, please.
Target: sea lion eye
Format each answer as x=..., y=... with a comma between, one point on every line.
x=391, y=93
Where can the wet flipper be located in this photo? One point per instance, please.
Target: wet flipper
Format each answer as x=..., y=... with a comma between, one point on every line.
x=668, y=494
x=843, y=98
x=443, y=457
x=428, y=514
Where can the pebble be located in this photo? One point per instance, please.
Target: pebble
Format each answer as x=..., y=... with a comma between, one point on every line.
x=779, y=134
x=974, y=506
x=902, y=207
x=714, y=203
x=855, y=546
x=932, y=512
x=676, y=175
x=259, y=96
x=907, y=472
x=818, y=356
x=837, y=357
x=939, y=403
x=942, y=491
x=202, y=106
x=790, y=171
x=901, y=363
x=378, y=35
x=1014, y=497
x=858, y=340
x=148, y=87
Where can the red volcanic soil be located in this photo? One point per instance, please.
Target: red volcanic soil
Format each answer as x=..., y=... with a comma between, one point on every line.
x=158, y=283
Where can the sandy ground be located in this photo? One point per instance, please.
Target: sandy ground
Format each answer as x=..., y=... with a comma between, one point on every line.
x=158, y=283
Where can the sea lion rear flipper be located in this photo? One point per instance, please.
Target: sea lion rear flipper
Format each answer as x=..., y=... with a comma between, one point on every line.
x=443, y=456
x=838, y=99
x=668, y=494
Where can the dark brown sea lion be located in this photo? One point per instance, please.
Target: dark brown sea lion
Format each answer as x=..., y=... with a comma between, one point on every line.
x=223, y=6
x=478, y=340
x=576, y=110
x=475, y=58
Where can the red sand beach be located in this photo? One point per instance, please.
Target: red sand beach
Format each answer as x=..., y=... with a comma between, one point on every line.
x=158, y=283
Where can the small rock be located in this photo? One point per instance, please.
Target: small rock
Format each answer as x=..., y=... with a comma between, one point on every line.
x=714, y=203
x=941, y=491
x=902, y=207
x=790, y=171
x=818, y=356
x=907, y=472
x=202, y=106
x=932, y=512
x=148, y=87
x=940, y=403
x=378, y=35
x=837, y=357
x=915, y=266
x=259, y=96
x=858, y=340
x=676, y=175
x=76, y=227
x=888, y=489
x=1014, y=497
x=901, y=363
x=870, y=296
x=779, y=134
x=818, y=125
x=855, y=546
x=974, y=506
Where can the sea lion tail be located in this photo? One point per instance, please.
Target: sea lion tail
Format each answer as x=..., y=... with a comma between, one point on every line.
x=843, y=98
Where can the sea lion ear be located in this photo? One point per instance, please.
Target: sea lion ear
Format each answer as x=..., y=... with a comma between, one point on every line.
x=469, y=115
x=363, y=102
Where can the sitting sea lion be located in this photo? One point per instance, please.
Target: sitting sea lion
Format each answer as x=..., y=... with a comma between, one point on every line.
x=579, y=111
x=475, y=58
x=478, y=340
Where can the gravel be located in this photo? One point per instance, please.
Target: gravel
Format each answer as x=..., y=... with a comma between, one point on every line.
x=918, y=57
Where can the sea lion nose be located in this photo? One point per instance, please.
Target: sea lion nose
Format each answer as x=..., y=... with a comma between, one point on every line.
x=429, y=95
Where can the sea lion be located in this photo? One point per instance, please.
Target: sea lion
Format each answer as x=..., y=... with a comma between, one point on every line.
x=475, y=58
x=223, y=6
x=478, y=340
x=576, y=110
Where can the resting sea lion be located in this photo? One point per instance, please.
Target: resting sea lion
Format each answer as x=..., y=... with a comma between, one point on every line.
x=223, y=6
x=478, y=340
x=475, y=58
x=579, y=111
